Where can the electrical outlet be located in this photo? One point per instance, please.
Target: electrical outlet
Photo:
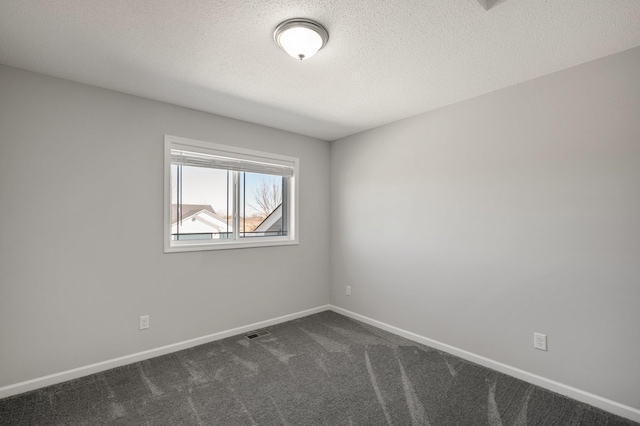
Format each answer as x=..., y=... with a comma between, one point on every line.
x=540, y=341
x=348, y=290
x=144, y=322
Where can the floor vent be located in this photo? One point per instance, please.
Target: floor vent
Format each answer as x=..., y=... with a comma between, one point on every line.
x=258, y=333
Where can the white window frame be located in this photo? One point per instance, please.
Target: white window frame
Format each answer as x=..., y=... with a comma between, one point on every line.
x=192, y=145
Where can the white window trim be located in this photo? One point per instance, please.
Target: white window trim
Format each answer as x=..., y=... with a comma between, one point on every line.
x=176, y=142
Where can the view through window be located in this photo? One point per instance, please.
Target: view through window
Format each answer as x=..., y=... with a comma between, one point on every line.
x=219, y=197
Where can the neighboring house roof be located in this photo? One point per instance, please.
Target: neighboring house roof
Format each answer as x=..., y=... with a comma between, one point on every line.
x=190, y=210
x=200, y=221
x=271, y=222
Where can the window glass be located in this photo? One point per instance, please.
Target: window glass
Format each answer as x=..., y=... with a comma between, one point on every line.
x=200, y=208
x=261, y=209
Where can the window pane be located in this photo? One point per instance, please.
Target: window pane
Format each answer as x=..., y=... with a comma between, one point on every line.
x=201, y=203
x=262, y=213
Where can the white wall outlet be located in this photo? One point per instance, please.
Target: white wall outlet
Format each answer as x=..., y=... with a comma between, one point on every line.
x=144, y=322
x=348, y=290
x=540, y=341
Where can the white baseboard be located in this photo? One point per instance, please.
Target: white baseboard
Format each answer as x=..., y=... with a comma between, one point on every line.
x=75, y=373
x=577, y=394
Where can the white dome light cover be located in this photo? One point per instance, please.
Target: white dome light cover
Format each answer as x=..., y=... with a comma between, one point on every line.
x=300, y=38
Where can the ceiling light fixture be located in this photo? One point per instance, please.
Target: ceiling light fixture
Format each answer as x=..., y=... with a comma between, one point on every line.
x=301, y=38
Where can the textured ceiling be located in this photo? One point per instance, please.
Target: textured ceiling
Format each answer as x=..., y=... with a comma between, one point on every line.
x=385, y=60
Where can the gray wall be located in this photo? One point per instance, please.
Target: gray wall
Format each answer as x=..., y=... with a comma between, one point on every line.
x=514, y=212
x=81, y=250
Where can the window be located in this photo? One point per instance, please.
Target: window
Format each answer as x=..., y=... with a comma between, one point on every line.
x=222, y=197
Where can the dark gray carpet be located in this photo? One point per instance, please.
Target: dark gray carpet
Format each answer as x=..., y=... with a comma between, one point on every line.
x=324, y=369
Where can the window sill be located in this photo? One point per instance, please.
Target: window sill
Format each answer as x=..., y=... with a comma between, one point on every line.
x=178, y=248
